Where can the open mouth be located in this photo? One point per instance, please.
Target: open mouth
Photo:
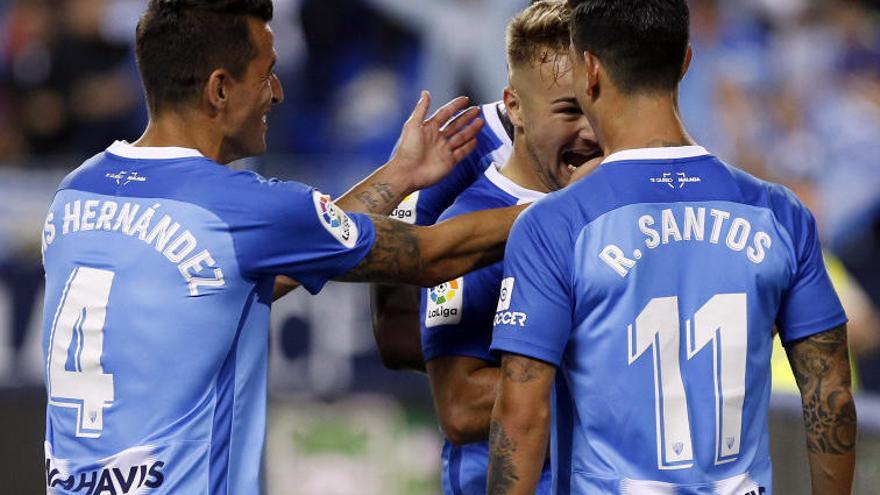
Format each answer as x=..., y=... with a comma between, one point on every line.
x=578, y=157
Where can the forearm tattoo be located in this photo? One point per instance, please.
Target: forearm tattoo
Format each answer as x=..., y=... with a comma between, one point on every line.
x=396, y=255
x=378, y=198
x=520, y=369
x=821, y=366
x=502, y=472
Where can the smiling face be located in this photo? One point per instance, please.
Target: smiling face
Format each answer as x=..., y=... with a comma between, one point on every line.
x=251, y=98
x=551, y=129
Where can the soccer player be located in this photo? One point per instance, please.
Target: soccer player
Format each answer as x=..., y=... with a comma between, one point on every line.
x=637, y=308
x=551, y=136
x=160, y=261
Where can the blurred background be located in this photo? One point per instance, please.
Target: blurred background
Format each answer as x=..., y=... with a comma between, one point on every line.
x=787, y=89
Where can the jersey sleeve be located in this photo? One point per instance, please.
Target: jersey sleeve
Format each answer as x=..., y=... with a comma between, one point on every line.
x=288, y=228
x=534, y=312
x=456, y=316
x=809, y=305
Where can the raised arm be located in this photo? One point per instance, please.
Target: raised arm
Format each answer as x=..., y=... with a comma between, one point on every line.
x=427, y=256
x=520, y=425
x=428, y=150
x=821, y=366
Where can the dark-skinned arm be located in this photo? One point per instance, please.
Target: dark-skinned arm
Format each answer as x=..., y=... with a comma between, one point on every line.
x=395, y=310
x=427, y=256
x=428, y=150
x=464, y=391
x=821, y=366
x=519, y=432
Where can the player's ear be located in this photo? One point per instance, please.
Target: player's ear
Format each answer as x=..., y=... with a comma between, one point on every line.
x=514, y=106
x=217, y=90
x=688, y=56
x=594, y=67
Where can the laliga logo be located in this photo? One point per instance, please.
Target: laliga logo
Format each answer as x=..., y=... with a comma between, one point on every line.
x=444, y=292
x=328, y=212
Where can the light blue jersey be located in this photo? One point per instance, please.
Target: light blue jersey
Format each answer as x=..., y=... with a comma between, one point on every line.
x=654, y=285
x=494, y=144
x=159, y=272
x=456, y=320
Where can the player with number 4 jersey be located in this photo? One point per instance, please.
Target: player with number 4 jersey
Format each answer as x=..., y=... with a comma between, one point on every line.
x=161, y=262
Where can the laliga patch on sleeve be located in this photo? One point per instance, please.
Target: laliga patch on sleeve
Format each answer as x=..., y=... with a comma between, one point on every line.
x=406, y=210
x=336, y=221
x=445, y=303
x=506, y=293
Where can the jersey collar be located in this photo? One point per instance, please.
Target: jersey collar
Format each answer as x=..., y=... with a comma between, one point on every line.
x=125, y=150
x=493, y=120
x=519, y=192
x=665, y=153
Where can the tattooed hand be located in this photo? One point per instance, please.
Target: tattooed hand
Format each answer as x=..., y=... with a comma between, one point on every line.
x=822, y=369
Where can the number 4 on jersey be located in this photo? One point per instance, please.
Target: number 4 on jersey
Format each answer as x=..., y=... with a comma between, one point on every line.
x=75, y=376
x=722, y=322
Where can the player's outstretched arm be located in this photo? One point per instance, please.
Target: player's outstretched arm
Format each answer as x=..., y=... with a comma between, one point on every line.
x=822, y=369
x=428, y=149
x=395, y=310
x=518, y=434
x=427, y=256
x=464, y=391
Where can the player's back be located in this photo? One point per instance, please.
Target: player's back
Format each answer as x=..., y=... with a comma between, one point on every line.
x=676, y=267
x=155, y=323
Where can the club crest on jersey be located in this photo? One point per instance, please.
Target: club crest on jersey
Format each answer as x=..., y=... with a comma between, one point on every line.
x=444, y=304
x=337, y=223
x=406, y=210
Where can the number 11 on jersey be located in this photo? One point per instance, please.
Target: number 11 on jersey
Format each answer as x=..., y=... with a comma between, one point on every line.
x=75, y=375
x=722, y=322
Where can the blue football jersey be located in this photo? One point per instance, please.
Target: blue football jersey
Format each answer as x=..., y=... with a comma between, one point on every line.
x=494, y=144
x=456, y=320
x=159, y=267
x=653, y=285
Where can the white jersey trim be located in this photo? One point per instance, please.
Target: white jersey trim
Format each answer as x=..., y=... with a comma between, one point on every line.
x=125, y=150
x=665, y=153
x=519, y=192
x=490, y=111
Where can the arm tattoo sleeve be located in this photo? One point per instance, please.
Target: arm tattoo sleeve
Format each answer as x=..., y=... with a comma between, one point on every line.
x=502, y=472
x=821, y=366
x=395, y=257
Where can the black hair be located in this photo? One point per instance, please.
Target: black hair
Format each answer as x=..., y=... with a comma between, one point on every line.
x=181, y=42
x=641, y=43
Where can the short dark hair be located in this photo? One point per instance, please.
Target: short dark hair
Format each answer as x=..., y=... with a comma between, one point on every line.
x=180, y=42
x=642, y=43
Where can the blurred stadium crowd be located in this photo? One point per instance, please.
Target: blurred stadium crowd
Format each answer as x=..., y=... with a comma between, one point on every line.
x=788, y=89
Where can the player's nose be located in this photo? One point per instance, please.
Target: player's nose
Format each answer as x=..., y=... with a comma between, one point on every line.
x=277, y=90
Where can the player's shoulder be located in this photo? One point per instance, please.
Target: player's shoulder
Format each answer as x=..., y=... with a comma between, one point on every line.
x=786, y=206
x=182, y=175
x=491, y=190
